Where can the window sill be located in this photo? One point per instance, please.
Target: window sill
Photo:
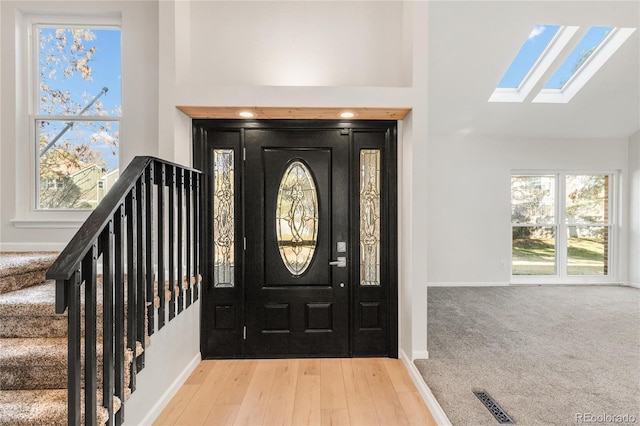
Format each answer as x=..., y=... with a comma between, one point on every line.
x=47, y=223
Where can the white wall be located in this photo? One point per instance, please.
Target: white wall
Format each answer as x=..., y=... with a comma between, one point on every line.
x=173, y=354
x=469, y=199
x=297, y=43
x=175, y=350
x=138, y=127
x=250, y=60
x=634, y=210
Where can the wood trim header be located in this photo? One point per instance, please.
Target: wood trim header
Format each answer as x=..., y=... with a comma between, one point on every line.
x=305, y=113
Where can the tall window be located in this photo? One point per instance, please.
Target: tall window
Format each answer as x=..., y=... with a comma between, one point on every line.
x=76, y=113
x=534, y=225
x=588, y=224
x=561, y=224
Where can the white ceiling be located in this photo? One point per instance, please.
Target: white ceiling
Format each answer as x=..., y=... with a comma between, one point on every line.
x=472, y=43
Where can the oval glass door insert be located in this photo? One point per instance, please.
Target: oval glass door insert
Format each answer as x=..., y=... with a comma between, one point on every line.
x=297, y=218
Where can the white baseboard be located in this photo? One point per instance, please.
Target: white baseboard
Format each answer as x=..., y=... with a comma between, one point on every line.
x=468, y=284
x=432, y=403
x=32, y=246
x=636, y=285
x=171, y=391
x=420, y=355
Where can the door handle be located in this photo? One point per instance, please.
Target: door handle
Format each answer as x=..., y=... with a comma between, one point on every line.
x=341, y=262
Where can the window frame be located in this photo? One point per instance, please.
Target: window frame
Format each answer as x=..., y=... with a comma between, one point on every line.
x=562, y=227
x=27, y=213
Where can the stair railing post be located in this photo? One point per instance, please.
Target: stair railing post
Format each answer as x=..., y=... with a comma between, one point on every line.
x=107, y=249
x=160, y=175
x=197, y=236
x=120, y=391
x=150, y=247
x=73, y=350
x=179, y=239
x=89, y=270
x=171, y=177
x=141, y=260
x=132, y=277
x=189, y=233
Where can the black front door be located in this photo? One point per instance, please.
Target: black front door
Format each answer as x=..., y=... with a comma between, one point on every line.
x=297, y=211
x=299, y=218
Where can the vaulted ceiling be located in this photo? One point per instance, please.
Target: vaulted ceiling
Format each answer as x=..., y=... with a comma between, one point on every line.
x=472, y=43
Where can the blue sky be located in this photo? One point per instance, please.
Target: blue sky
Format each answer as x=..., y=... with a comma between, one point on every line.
x=536, y=42
x=105, y=72
x=531, y=50
x=592, y=39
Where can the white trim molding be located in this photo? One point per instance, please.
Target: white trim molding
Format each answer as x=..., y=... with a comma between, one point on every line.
x=432, y=403
x=635, y=285
x=47, y=224
x=469, y=284
x=420, y=355
x=32, y=246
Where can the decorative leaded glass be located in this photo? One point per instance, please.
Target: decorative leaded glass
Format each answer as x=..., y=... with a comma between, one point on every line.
x=297, y=218
x=223, y=218
x=370, y=217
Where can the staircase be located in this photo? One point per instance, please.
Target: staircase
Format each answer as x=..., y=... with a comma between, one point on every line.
x=33, y=346
x=147, y=226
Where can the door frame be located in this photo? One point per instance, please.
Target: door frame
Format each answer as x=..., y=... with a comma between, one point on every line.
x=363, y=305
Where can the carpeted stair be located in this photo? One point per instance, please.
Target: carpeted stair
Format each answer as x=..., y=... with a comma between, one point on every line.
x=33, y=345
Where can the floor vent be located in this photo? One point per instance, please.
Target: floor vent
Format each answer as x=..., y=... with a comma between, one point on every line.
x=494, y=408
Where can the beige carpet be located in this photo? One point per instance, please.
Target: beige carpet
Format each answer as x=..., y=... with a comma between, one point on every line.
x=33, y=346
x=555, y=355
x=22, y=269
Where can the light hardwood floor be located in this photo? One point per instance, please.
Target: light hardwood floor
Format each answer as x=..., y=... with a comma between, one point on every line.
x=329, y=391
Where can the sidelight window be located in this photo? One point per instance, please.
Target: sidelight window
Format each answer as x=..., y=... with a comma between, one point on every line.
x=223, y=218
x=370, y=217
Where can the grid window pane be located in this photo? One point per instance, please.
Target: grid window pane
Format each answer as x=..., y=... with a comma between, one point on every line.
x=532, y=199
x=76, y=65
x=76, y=116
x=533, y=250
x=77, y=162
x=588, y=250
x=587, y=199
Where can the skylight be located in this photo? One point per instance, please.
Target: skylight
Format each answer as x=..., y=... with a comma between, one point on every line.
x=587, y=46
x=541, y=50
x=544, y=43
x=529, y=53
x=594, y=50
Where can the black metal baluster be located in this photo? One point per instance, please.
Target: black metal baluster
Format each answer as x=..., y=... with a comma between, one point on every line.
x=179, y=240
x=122, y=230
x=189, y=236
x=150, y=248
x=106, y=247
x=196, y=239
x=160, y=175
x=120, y=391
x=74, y=356
x=132, y=277
x=141, y=297
x=89, y=272
x=171, y=175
